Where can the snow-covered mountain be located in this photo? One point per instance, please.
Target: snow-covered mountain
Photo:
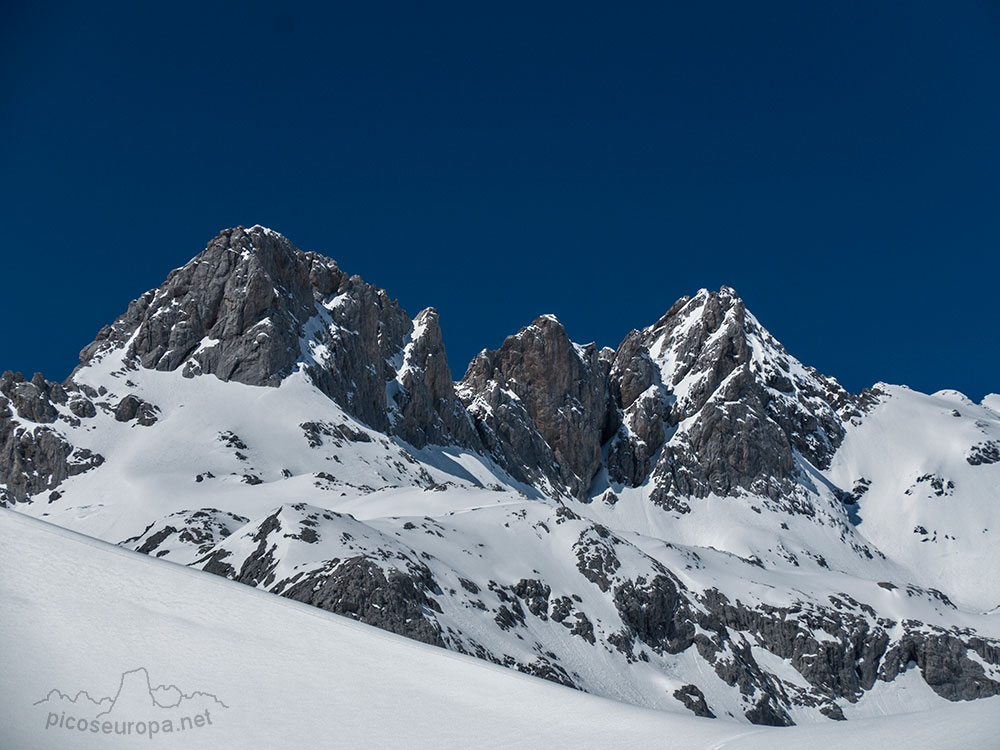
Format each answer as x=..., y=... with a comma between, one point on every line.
x=695, y=522
x=263, y=671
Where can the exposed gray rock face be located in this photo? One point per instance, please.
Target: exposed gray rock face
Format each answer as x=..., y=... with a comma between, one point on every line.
x=250, y=291
x=34, y=400
x=659, y=614
x=240, y=310
x=358, y=588
x=351, y=347
x=694, y=700
x=654, y=613
x=398, y=598
x=704, y=401
x=425, y=400
x=130, y=408
x=857, y=653
x=539, y=402
x=535, y=595
x=252, y=307
x=984, y=453
x=38, y=460
x=596, y=557
x=82, y=408
x=710, y=402
x=639, y=401
x=34, y=457
x=845, y=666
x=943, y=660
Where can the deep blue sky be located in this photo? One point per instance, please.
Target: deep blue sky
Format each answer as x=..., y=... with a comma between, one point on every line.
x=836, y=163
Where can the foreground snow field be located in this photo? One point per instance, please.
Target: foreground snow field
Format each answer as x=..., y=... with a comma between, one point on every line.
x=232, y=667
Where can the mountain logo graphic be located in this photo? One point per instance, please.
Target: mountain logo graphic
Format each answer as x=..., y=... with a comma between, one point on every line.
x=135, y=708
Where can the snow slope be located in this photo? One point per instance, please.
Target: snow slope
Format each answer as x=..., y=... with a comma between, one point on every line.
x=143, y=635
x=231, y=446
x=924, y=468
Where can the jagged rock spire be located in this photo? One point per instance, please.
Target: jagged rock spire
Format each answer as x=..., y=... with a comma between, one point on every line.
x=235, y=311
x=539, y=401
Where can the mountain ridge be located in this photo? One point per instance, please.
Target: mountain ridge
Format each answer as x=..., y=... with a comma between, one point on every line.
x=694, y=521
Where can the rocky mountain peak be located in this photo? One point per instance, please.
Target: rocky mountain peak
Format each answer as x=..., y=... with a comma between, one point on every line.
x=704, y=338
x=253, y=308
x=555, y=388
x=702, y=369
x=235, y=311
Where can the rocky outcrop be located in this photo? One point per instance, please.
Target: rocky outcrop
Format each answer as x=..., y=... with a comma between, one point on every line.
x=251, y=308
x=235, y=311
x=358, y=588
x=655, y=614
x=842, y=662
x=349, y=349
x=985, y=453
x=853, y=652
x=34, y=457
x=539, y=404
x=33, y=400
x=131, y=407
x=709, y=402
x=693, y=700
x=186, y=535
x=35, y=461
x=365, y=580
x=424, y=407
x=639, y=407
x=944, y=662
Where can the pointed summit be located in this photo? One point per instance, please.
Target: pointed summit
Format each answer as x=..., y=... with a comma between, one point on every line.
x=422, y=401
x=234, y=311
x=545, y=397
x=738, y=404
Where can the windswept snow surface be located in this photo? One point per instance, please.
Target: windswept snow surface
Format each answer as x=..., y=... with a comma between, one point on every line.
x=232, y=667
x=929, y=464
